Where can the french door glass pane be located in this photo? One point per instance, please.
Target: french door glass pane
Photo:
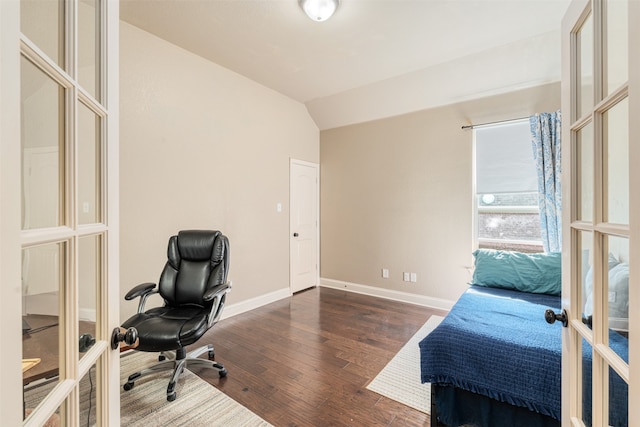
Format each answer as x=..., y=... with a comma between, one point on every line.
x=89, y=171
x=585, y=67
x=88, y=397
x=43, y=278
x=586, y=272
x=618, y=393
x=617, y=45
x=618, y=400
x=42, y=144
x=88, y=46
x=585, y=395
x=585, y=166
x=42, y=22
x=89, y=279
x=617, y=294
x=616, y=126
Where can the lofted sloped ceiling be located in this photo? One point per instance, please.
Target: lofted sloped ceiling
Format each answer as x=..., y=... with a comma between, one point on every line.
x=373, y=58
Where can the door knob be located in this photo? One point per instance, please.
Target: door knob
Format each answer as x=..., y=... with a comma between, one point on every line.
x=295, y=234
x=550, y=316
x=128, y=336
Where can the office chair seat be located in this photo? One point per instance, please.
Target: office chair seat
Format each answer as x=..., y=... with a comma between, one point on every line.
x=194, y=286
x=165, y=328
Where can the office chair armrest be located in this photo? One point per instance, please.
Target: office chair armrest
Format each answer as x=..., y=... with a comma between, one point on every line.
x=219, y=295
x=216, y=290
x=142, y=289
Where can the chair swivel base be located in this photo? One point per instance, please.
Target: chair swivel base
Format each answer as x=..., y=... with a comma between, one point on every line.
x=178, y=360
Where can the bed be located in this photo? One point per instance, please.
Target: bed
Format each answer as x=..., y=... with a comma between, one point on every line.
x=495, y=361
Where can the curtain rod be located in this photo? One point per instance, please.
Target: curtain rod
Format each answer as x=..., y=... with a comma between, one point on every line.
x=500, y=122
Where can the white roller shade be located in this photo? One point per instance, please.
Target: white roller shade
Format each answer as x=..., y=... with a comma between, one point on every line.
x=504, y=159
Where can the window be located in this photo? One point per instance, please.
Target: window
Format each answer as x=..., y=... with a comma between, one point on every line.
x=507, y=210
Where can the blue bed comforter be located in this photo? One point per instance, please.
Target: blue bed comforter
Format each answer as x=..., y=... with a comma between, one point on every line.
x=496, y=343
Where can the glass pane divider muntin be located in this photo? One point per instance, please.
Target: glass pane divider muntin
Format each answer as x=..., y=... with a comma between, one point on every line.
x=32, y=53
x=581, y=123
x=576, y=422
x=91, y=357
x=581, y=226
x=612, y=99
x=91, y=103
x=51, y=401
x=32, y=238
x=40, y=236
x=91, y=229
x=613, y=360
x=612, y=229
x=584, y=330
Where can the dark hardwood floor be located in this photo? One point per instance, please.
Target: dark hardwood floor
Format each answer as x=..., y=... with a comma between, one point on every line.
x=306, y=360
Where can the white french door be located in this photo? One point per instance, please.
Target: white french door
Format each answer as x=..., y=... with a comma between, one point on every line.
x=59, y=217
x=601, y=236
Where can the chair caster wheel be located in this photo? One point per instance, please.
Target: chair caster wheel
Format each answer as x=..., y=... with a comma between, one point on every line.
x=222, y=373
x=128, y=386
x=212, y=355
x=171, y=397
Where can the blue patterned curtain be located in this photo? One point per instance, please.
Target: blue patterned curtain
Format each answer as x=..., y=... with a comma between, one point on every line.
x=545, y=140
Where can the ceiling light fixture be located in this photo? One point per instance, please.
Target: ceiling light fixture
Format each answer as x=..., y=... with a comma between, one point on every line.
x=319, y=10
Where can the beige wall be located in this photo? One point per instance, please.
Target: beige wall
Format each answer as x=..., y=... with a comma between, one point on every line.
x=396, y=193
x=203, y=147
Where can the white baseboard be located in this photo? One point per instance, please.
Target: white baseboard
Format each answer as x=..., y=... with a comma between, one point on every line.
x=46, y=304
x=407, y=297
x=87, y=314
x=243, y=306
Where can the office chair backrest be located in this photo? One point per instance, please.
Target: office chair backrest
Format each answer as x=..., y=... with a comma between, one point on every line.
x=197, y=261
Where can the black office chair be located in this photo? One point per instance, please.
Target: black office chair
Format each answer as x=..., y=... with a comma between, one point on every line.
x=194, y=287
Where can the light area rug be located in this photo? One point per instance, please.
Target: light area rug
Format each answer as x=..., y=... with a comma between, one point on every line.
x=198, y=402
x=400, y=379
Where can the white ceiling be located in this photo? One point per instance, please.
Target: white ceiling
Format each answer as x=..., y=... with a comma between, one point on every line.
x=378, y=44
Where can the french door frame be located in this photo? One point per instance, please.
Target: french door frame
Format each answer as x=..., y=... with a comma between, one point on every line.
x=603, y=356
x=13, y=47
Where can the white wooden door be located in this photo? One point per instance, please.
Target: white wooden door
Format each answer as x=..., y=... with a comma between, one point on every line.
x=59, y=88
x=303, y=225
x=601, y=240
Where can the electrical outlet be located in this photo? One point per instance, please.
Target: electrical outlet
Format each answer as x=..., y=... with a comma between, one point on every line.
x=406, y=277
x=414, y=277
x=385, y=273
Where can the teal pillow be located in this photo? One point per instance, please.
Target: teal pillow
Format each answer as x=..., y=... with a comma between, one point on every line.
x=536, y=273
